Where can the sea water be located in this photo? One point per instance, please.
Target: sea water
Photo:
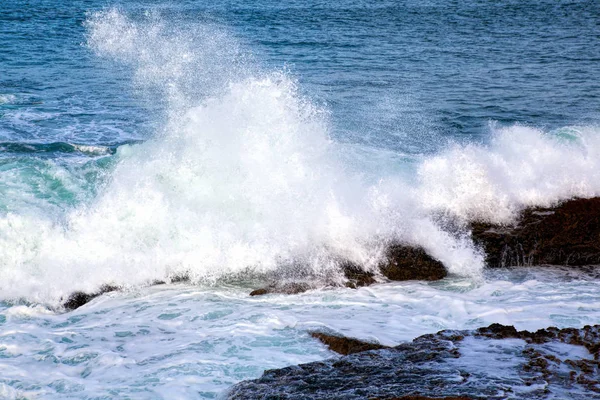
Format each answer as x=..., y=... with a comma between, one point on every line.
x=141, y=141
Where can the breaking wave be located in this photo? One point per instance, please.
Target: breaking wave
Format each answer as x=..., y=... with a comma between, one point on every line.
x=243, y=176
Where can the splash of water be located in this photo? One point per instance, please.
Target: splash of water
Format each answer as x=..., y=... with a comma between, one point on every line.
x=244, y=176
x=521, y=167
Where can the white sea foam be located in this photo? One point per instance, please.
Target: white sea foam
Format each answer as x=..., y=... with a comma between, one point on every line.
x=183, y=341
x=7, y=98
x=244, y=175
x=92, y=150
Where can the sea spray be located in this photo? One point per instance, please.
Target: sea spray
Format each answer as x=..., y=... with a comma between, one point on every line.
x=520, y=167
x=244, y=177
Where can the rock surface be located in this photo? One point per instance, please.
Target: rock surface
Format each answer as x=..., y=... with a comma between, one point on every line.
x=343, y=345
x=282, y=288
x=417, y=397
x=77, y=299
x=568, y=234
x=401, y=263
x=496, y=362
x=409, y=263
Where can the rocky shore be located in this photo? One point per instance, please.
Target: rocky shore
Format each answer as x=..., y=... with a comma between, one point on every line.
x=568, y=234
x=495, y=362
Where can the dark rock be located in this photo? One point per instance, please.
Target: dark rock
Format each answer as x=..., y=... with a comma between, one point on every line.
x=259, y=292
x=78, y=299
x=410, y=263
x=344, y=345
x=356, y=275
x=568, y=234
x=447, y=366
x=401, y=263
x=180, y=278
x=417, y=397
x=282, y=288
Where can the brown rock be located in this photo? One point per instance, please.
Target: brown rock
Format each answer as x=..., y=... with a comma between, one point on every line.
x=259, y=292
x=568, y=234
x=285, y=288
x=402, y=263
x=344, y=345
x=409, y=263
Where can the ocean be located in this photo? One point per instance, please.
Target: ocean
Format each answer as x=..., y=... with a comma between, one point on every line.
x=236, y=142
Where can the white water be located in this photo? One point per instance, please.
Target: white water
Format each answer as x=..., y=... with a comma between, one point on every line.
x=521, y=167
x=182, y=342
x=244, y=177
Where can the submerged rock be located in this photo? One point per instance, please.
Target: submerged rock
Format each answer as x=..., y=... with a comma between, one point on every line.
x=495, y=362
x=568, y=234
x=78, y=299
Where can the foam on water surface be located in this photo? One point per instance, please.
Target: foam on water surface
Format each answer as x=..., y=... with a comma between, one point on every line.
x=182, y=341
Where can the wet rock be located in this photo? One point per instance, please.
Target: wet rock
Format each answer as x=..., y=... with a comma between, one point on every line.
x=180, y=278
x=282, y=288
x=588, y=336
x=356, y=275
x=494, y=362
x=410, y=263
x=343, y=345
x=401, y=263
x=259, y=292
x=568, y=234
x=426, y=398
x=78, y=299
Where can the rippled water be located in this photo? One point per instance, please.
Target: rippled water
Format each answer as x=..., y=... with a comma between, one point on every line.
x=190, y=342
x=144, y=140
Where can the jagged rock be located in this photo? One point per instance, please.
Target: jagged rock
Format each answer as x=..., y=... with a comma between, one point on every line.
x=588, y=336
x=343, y=345
x=410, y=263
x=78, y=299
x=424, y=398
x=568, y=234
x=495, y=362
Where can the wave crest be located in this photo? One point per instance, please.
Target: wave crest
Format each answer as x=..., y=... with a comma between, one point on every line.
x=243, y=176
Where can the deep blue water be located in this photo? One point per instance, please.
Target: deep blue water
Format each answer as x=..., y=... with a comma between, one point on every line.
x=395, y=74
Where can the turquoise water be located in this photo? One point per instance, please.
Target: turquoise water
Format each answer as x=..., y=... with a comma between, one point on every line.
x=236, y=142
